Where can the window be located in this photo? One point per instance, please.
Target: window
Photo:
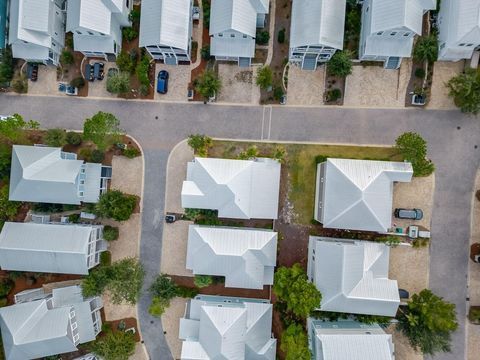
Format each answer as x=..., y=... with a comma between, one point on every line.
x=78, y=32
x=406, y=34
x=127, y=3
x=90, y=33
x=244, y=36
x=380, y=33
x=102, y=34
x=82, y=182
x=469, y=45
x=462, y=44
x=393, y=33
x=232, y=35
x=80, y=193
x=82, y=171
x=220, y=35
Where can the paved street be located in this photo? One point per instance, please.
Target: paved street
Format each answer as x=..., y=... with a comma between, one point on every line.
x=452, y=138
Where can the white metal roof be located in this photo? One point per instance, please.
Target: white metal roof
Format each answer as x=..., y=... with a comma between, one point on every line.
x=241, y=189
x=232, y=47
x=353, y=276
x=166, y=22
x=246, y=257
x=236, y=15
x=358, y=193
x=317, y=22
x=88, y=14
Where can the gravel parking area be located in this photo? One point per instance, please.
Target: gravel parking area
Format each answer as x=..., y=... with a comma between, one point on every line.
x=127, y=175
x=46, y=84
x=238, y=84
x=374, y=86
x=98, y=88
x=176, y=174
x=171, y=324
x=174, y=249
x=305, y=87
x=410, y=267
x=178, y=80
x=128, y=238
x=442, y=72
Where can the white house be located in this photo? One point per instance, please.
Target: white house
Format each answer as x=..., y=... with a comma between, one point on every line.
x=245, y=257
x=218, y=327
x=459, y=29
x=348, y=340
x=44, y=323
x=357, y=194
x=166, y=29
x=238, y=189
x=352, y=276
x=97, y=26
x=316, y=31
x=233, y=26
x=389, y=28
x=37, y=30
x=51, y=248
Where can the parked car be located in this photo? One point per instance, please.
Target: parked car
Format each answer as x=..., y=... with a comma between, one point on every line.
x=98, y=70
x=283, y=100
x=68, y=89
x=32, y=72
x=195, y=13
x=413, y=214
x=89, y=72
x=170, y=219
x=162, y=82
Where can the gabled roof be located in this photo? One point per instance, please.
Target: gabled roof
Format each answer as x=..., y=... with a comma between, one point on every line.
x=240, y=189
x=246, y=257
x=460, y=21
x=397, y=14
x=166, y=22
x=89, y=14
x=317, y=22
x=358, y=193
x=227, y=328
x=236, y=15
x=48, y=248
x=353, y=276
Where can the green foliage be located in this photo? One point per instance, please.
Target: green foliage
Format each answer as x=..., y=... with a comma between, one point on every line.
x=97, y=156
x=73, y=138
x=419, y=73
x=281, y=36
x=3, y=303
x=13, y=128
x=115, y=205
x=129, y=33
x=373, y=319
x=6, y=66
x=103, y=129
x=277, y=92
x=20, y=84
x=78, y=82
x=126, y=62
x=426, y=49
x=294, y=343
x=116, y=345
x=279, y=153
x=6, y=285
x=420, y=243
x=414, y=149
x=118, y=83
x=390, y=240
x=262, y=37
x=474, y=314
x=131, y=152
x=340, y=64
x=55, y=137
x=206, y=13
x=205, y=52
x=202, y=281
x=5, y=160
x=110, y=233
x=66, y=58
x=158, y=306
x=353, y=22
x=251, y=153
x=8, y=209
x=134, y=16
x=208, y=84
x=142, y=71
x=292, y=287
x=144, y=89
x=74, y=218
x=200, y=144
x=85, y=154
x=333, y=95
x=465, y=91
x=105, y=258
x=428, y=321
x=264, y=77
x=163, y=287
x=186, y=292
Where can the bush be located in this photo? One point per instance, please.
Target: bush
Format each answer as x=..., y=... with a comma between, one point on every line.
x=420, y=73
x=78, y=82
x=8, y=209
x=390, y=240
x=105, y=258
x=294, y=343
x=116, y=345
x=320, y=159
x=158, y=306
x=279, y=153
x=131, y=152
x=66, y=58
x=186, y=292
x=465, y=91
x=200, y=144
x=264, y=77
x=205, y=52
x=3, y=302
x=262, y=37
x=208, y=84
x=125, y=62
x=142, y=71
x=6, y=285
x=333, y=95
x=414, y=149
x=340, y=64
x=97, y=156
x=20, y=84
x=281, y=36
x=115, y=205
x=206, y=13
x=144, y=89
x=55, y=137
x=202, y=281
x=6, y=66
x=118, y=83
x=73, y=218
x=129, y=33
x=474, y=314
x=134, y=16
x=73, y=138
x=251, y=153
x=110, y=233
x=85, y=154
x=426, y=49
x=277, y=92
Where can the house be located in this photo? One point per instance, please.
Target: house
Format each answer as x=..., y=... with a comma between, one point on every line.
x=37, y=30
x=3, y=24
x=166, y=30
x=352, y=276
x=49, y=175
x=97, y=26
x=348, y=340
x=233, y=26
x=316, y=31
x=45, y=323
x=459, y=29
x=357, y=194
x=218, y=327
x=389, y=28
x=238, y=189
x=245, y=257
x=51, y=248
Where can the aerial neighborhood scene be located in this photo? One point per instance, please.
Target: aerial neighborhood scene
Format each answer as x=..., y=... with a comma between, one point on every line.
x=240, y=179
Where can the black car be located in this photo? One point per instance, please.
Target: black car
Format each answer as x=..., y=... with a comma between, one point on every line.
x=170, y=218
x=98, y=69
x=162, y=82
x=89, y=72
x=413, y=214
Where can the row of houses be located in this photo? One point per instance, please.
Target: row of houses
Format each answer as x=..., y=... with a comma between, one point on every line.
x=352, y=275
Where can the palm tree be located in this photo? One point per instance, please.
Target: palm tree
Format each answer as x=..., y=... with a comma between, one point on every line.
x=208, y=84
x=426, y=49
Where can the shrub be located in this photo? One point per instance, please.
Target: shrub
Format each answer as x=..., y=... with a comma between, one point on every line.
x=97, y=156
x=131, y=152
x=281, y=36
x=200, y=144
x=295, y=343
x=320, y=159
x=110, y=233
x=6, y=65
x=205, y=52
x=277, y=92
x=3, y=302
x=78, y=82
x=206, y=13
x=144, y=89
x=129, y=33
x=115, y=205
x=262, y=37
x=420, y=243
x=474, y=314
x=125, y=62
x=73, y=218
x=426, y=49
x=6, y=285
x=66, y=58
x=279, y=153
x=55, y=137
x=264, y=77
x=333, y=95
x=250, y=153
x=105, y=258
x=158, y=306
x=8, y=209
x=208, y=84
x=73, y=138
x=85, y=154
x=20, y=84
x=340, y=64
x=142, y=71
x=134, y=16
x=116, y=345
x=163, y=287
x=186, y=292
x=202, y=281
x=414, y=149
x=390, y=240
x=118, y=83
x=465, y=91
x=420, y=73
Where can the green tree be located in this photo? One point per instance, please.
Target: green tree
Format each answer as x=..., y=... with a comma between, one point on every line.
x=126, y=62
x=6, y=66
x=78, y=82
x=208, y=84
x=428, y=322
x=163, y=287
x=55, y=137
x=262, y=37
x=200, y=144
x=5, y=160
x=294, y=343
x=115, y=205
x=142, y=71
x=291, y=286
x=426, y=49
x=129, y=33
x=340, y=64
x=118, y=83
x=465, y=91
x=205, y=52
x=116, y=345
x=110, y=233
x=8, y=209
x=202, y=281
x=414, y=149
x=66, y=58
x=73, y=138
x=264, y=77
x=12, y=128
x=103, y=129
x=281, y=36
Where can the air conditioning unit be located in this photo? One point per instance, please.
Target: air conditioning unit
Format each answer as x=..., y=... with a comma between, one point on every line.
x=476, y=258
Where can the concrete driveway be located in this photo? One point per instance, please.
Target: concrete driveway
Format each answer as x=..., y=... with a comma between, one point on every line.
x=178, y=80
x=451, y=137
x=305, y=87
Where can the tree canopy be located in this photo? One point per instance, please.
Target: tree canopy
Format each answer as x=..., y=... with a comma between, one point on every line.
x=12, y=128
x=117, y=345
x=414, y=149
x=200, y=144
x=465, y=91
x=428, y=322
x=115, y=205
x=208, y=84
x=294, y=343
x=56, y=137
x=426, y=48
x=291, y=286
x=340, y=64
x=264, y=77
x=103, y=129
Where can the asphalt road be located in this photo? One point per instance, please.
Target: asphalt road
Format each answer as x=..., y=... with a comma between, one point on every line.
x=453, y=140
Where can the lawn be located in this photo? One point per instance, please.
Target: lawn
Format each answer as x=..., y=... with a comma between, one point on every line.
x=300, y=163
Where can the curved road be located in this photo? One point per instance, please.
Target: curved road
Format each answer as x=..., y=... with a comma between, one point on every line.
x=453, y=139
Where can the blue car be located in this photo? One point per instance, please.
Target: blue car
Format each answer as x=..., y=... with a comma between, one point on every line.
x=162, y=82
